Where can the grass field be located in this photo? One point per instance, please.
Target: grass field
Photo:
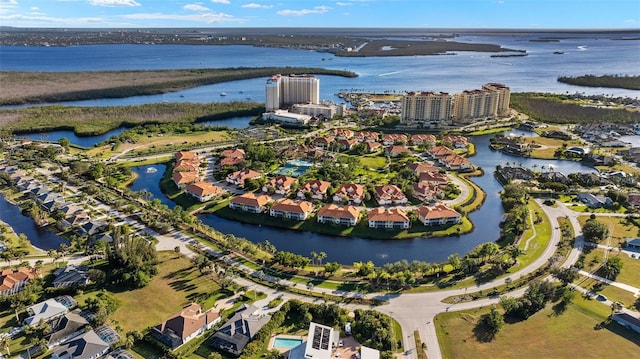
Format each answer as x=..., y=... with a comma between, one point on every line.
x=618, y=227
x=612, y=293
x=373, y=162
x=572, y=334
x=177, y=283
x=630, y=266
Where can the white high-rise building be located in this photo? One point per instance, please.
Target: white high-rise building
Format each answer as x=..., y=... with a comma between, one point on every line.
x=475, y=104
x=286, y=90
x=504, y=96
x=426, y=109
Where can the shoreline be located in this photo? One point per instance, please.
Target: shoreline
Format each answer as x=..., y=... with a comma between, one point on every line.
x=12, y=230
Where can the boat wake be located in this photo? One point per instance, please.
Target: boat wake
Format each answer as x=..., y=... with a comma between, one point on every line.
x=391, y=73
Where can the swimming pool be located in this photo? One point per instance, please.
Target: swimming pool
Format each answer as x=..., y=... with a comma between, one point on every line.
x=286, y=343
x=294, y=168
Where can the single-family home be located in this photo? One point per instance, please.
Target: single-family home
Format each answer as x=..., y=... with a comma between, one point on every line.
x=373, y=146
x=187, y=324
x=323, y=143
x=388, y=218
x=185, y=155
x=239, y=330
x=71, y=276
x=315, y=189
x=389, y=194
x=13, y=281
x=594, y=201
x=349, y=192
x=438, y=215
x=49, y=310
x=203, y=191
x=238, y=178
x=634, y=200
x=182, y=179
x=290, y=209
x=346, y=144
x=89, y=345
x=280, y=184
x=342, y=215
x=232, y=157
x=77, y=219
x=627, y=321
x=341, y=133
x=633, y=244
x=553, y=177
x=249, y=202
x=397, y=150
x=69, y=210
x=68, y=326
x=91, y=228
x=426, y=191
x=321, y=343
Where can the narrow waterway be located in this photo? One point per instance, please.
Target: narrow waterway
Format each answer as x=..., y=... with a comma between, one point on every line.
x=39, y=237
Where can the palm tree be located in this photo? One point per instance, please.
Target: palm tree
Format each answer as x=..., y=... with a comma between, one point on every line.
x=4, y=343
x=321, y=257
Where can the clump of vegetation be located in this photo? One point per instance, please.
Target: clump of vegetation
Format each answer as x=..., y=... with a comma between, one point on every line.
x=611, y=81
x=132, y=259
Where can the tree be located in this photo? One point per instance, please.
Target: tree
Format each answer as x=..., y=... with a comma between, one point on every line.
x=565, y=275
x=493, y=320
x=616, y=307
x=595, y=231
x=5, y=342
x=611, y=268
x=454, y=260
x=331, y=267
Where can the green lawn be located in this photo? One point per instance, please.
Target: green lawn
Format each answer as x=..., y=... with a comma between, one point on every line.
x=630, y=266
x=612, y=293
x=620, y=229
x=372, y=162
x=572, y=334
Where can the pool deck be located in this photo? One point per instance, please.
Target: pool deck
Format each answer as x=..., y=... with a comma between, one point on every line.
x=284, y=336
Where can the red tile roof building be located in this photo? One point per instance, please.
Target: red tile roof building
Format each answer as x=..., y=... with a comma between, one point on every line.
x=349, y=192
x=389, y=194
x=189, y=323
x=342, y=215
x=182, y=179
x=280, y=184
x=388, y=218
x=438, y=215
x=290, y=209
x=421, y=167
x=420, y=139
x=239, y=177
x=203, y=191
x=249, y=202
x=317, y=189
x=13, y=281
x=426, y=191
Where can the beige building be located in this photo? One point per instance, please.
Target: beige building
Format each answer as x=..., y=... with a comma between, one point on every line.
x=426, y=109
x=328, y=111
x=285, y=90
x=489, y=102
x=504, y=96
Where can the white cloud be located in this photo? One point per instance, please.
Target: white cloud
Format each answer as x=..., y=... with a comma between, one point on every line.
x=35, y=8
x=39, y=20
x=344, y=3
x=114, y=3
x=226, y=2
x=7, y=6
x=256, y=6
x=195, y=7
x=315, y=10
x=631, y=22
x=209, y=17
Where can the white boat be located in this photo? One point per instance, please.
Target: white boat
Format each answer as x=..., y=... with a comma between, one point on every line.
x=223, y=94
x=152, y=170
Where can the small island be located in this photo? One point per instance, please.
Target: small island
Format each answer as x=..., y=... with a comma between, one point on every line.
x=629, y=82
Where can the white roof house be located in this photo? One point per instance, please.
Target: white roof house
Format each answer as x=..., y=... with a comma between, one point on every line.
x=46, y=310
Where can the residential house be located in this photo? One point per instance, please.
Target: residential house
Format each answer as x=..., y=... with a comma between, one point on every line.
x=633, y=244
x=553, y=177
x=578, y=151
x=239, y=330
x=238, y=178
x=123, y=354
x=232, y=157
x=341, y=133
x=69, y=210
x=68, y=326
x=394, y=139
x=77, y=219
x=182, y=179
x=249, y=202
x=86, y=346
x=389, y=194
x=456, y=163
x=421, y=167
x=627, y=321
x=420, y=139
x=71, y=276
x=438, y=215
x=13, y=281
x=321, y=342
x=634, y=200
x=280, y=184
x=426, y=192
x=440, y=152
x=434, y=177
x=342, y=215
x=203, y=191
x=189, y=323
x=388, y=218
x=367, y=137
x=91, y=228
x=369, y=353
x=395, y=151
x=39, y=190
x=292, y=210
x=346, y=144
x=593, y=201
x=187, y=166
x=50, y=201
x=622, y=178
x=515, y=173
x=349, y=192
x=456, y=141
x=315, y=189
x=323, y=143
x=185, y=155
x=373, y=146
x=48, y=310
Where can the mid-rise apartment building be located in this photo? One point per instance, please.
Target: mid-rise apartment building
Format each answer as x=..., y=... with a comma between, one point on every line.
x=426, y=109
x=285, y=90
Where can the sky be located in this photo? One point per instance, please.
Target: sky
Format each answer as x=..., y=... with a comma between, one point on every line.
x=527, y=14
